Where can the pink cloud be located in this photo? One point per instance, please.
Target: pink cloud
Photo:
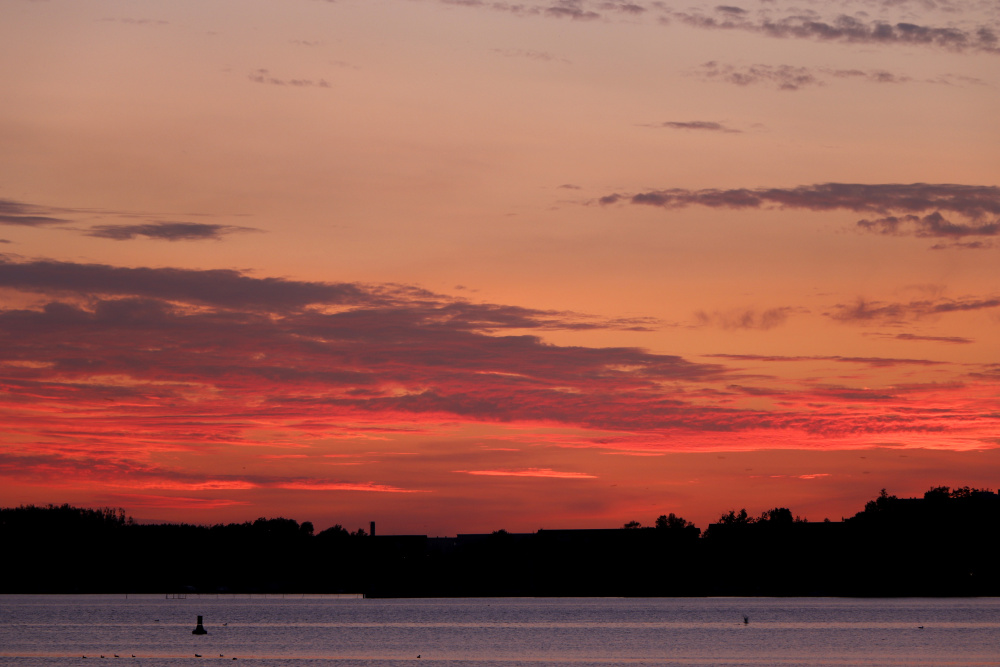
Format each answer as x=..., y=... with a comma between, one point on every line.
x=529, y=472
x=319, y=485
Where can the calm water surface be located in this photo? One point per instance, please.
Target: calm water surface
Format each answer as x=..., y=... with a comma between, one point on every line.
x=297, y=631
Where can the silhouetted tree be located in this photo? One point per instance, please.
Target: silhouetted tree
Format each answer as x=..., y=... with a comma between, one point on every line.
x=777, y=516
x=880, y=504
x=334, y=533
x=937, y=493
x=736, y=519
x=674, y=526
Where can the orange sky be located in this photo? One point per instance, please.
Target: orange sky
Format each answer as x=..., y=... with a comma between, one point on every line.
x=461, y=265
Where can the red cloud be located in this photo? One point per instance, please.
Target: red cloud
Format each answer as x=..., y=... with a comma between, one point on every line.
x=139, y=378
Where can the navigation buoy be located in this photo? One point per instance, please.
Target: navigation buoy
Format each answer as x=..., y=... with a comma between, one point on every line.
x=200, y=630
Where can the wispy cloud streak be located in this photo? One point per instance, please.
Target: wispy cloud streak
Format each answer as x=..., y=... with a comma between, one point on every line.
x=570, y=9
x=789, y=77
x=842, y=28
x=166, y=231
x=899, y=204
x=21, y=214
x=264, y=76
x=864, y=311
x=698, y=125
x=859, y=27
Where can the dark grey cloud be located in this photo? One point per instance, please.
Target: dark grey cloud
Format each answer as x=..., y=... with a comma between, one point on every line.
x=699, y=125
x=931, y=225
x=772, y=21
x=221, y=288
x=991, y=372
x=233, y=290
x=956, y=340
x=973, y=201
x=362, y=349
x=166, y=231
x=135, y=21
x=957, y=79
x=876, y=76
x=880, y=362
x=265, y=77
x=782, y=77
x=864, y=311
x=788, y=77
x=964, y=245
x=20, y=214
x=543, y=56
x=898, y=204
x=624, y=7
x=843, y=28
x=571, y=9
x=761, y=320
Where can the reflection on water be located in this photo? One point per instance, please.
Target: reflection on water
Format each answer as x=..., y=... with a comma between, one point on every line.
x=307, y=630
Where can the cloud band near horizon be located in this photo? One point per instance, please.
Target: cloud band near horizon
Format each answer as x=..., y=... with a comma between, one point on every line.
x=108, y=373
x=208, y=344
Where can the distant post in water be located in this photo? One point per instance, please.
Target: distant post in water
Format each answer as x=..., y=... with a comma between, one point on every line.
x=200, y=630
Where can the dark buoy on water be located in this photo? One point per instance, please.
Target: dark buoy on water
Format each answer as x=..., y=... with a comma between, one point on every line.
x=200, y=630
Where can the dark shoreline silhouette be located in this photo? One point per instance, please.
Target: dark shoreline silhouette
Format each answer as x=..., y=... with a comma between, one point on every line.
x=943, y=544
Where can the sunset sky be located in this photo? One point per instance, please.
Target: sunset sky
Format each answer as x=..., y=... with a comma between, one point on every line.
x=461, y=265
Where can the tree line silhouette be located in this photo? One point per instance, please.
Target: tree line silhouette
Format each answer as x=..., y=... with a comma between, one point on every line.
x=941, y=544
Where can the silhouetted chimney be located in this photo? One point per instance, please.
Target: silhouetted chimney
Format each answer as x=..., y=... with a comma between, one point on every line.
x=372, y=532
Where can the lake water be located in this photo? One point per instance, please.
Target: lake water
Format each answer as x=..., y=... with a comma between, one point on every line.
x=297, y=631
